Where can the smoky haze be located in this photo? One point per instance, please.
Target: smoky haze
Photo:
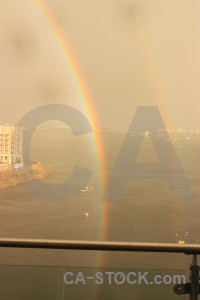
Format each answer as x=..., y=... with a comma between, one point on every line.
x=130, y=53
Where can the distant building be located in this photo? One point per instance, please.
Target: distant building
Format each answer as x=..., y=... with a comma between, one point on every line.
x=11, y=140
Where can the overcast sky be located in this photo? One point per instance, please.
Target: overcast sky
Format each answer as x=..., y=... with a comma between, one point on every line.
x=131, y=53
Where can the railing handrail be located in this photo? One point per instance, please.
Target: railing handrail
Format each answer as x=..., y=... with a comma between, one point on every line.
x=99, y=245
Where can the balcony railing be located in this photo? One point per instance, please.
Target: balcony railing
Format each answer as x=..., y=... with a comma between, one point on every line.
x=100, y=245
x=191, y=288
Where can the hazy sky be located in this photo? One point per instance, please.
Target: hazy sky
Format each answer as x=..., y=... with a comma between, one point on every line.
x=131, y=53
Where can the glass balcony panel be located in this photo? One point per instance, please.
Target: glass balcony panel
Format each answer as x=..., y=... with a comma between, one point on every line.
x=61, y=283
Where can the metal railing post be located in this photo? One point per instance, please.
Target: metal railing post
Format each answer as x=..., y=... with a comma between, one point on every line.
x=194, y=277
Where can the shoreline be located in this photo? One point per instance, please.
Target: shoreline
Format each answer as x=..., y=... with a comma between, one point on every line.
x=29, y=172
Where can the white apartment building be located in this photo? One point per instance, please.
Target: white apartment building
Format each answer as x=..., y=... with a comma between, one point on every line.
x=11, y=140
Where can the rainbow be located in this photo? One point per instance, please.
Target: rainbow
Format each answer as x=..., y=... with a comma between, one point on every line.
x=71, y=62
x=148, y=53
x=161, y=91
x=85, y=100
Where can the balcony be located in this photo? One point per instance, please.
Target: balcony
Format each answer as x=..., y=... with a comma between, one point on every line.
x=31, y=282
